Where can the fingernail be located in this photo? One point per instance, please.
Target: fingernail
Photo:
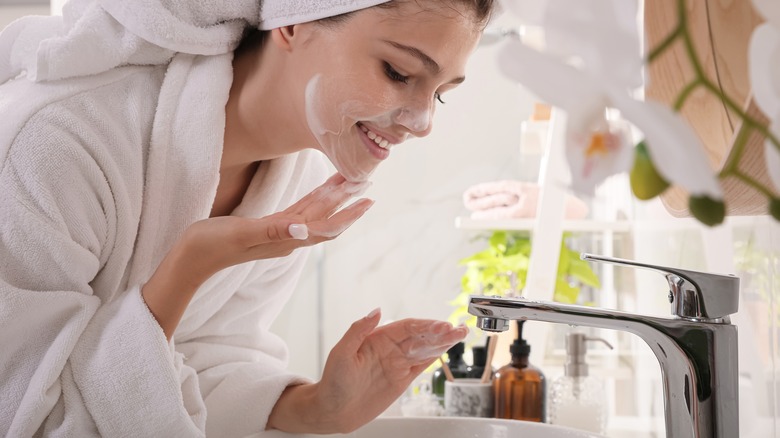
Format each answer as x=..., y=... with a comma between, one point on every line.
x=299, y=231
x=373, y=313
x=370, y=203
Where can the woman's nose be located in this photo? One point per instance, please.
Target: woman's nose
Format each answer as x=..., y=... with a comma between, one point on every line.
x=417, y=118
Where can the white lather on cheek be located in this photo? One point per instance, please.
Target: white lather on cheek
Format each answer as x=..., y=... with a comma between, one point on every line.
x=313, y=117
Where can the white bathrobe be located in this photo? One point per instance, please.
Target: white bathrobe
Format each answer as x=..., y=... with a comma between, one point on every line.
x=99, y=175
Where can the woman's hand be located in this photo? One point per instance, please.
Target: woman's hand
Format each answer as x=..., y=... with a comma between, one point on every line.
x=220, y=242
x=213, y=244
x=366, y=372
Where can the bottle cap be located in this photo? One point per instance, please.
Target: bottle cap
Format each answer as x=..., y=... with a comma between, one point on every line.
x=520, y=347
x=456, y=350
x=480, y=355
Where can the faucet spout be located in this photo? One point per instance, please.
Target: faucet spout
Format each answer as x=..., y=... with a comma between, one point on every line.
x=698, y=359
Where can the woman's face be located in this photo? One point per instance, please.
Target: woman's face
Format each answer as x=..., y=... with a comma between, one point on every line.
x=371, y=81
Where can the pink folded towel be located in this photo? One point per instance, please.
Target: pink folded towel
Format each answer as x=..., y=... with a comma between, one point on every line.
x=510, y=199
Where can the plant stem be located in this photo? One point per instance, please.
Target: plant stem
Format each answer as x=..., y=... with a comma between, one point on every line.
x=686, y=35
x=678, y=104
x=747, y=119
x=736, y=156
x=661, y=48
x=751, y=182
x=748, y=122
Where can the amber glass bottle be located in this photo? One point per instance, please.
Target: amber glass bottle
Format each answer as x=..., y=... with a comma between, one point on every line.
x=519, y=387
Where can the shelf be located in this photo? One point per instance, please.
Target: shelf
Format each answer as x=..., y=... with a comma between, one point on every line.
x=595, y=226
x=589, y=226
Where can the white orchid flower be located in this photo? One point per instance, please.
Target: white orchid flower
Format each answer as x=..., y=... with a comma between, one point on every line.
x=764, y=61
x=591, y=63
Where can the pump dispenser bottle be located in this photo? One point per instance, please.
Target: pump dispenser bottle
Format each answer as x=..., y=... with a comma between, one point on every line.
x=457, y=366
x=576, y=399
x=479, y=353
x=519, y=387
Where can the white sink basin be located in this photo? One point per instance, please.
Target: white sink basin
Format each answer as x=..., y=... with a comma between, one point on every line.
x=449, y=427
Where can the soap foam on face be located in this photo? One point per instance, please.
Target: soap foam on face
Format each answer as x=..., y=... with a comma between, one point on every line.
x=333, y=111
x=333, y=124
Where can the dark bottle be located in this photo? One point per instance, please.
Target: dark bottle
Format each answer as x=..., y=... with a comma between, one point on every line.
x=519, y=387
x=479, y=354
x=457, y=366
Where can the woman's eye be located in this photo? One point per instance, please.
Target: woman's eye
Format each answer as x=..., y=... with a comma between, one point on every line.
x=437, y=96
x=394, y=75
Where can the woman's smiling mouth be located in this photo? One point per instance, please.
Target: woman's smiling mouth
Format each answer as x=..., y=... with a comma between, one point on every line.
x=377, y=145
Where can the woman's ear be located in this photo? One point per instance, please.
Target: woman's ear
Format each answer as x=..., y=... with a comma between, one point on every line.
x=283, y=36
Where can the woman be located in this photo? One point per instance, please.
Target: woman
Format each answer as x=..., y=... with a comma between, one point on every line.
x=157, y=195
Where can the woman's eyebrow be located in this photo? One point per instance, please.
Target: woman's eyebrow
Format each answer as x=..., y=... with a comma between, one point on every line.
x=427, y=61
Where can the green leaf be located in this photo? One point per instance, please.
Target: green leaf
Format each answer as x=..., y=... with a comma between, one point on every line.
x=498, y=241
x=481, y=257
x=646, y=182
x=580, y=270
x=564, y=292
x=563, y=260
x=509, y=251
x=517, y=262
x=774, y=208
x=708, y=211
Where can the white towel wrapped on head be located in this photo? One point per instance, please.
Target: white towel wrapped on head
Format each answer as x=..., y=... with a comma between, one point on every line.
x=94, y=36
x=278, y=13
x=510, y=199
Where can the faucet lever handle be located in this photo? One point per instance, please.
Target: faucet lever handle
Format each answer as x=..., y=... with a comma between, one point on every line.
x=693, y=294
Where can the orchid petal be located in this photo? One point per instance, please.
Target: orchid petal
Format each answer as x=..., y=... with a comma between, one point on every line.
x=764, y=59
x=602, y=33
x=676, y=150
x=554, y=82
x=588, y=170
x=770, y=9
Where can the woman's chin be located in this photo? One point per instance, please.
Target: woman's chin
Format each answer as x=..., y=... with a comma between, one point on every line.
x=355, y=174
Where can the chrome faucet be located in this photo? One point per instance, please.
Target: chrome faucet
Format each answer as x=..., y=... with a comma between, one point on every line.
x=697, y=348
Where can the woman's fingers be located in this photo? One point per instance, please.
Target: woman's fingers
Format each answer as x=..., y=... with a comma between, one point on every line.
x=333, y=226
x=329, y=185
x=281, y=227
x=353, y=339
x=327, y=198
x=424, y=340
x=275, y=228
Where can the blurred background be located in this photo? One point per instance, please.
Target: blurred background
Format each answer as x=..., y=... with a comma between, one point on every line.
x=404, y=255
